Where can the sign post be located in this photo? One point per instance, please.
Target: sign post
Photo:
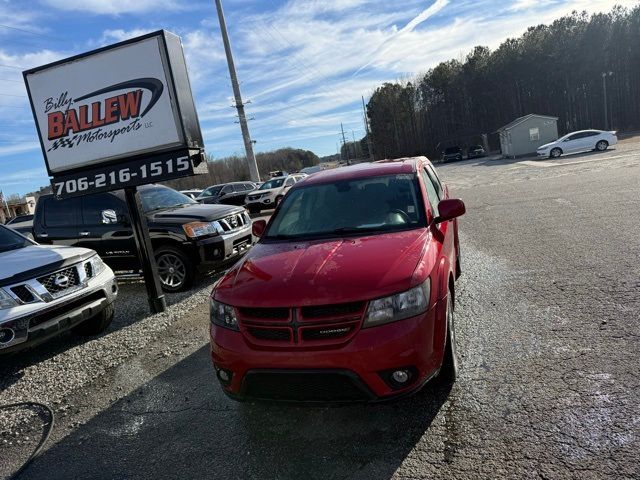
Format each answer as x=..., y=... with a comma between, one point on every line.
x=116, y=118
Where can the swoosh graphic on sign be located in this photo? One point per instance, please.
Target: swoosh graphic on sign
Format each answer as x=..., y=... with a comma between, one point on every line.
x=152, y=84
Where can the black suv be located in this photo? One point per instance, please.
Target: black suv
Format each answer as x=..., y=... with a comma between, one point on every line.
x=452, y=154
x=233, y=193
x=186, y=236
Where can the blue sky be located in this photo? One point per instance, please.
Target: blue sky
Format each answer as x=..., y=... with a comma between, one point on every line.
x=303, y=64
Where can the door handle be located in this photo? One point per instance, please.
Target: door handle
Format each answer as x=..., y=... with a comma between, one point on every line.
x=84, y=234
x=44, y=235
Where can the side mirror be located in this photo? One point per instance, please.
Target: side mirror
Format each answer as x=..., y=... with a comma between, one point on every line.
x=449, y=209
x=258, y=227
x=109, y=216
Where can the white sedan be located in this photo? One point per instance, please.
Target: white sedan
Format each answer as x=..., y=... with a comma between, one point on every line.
x=579, y=142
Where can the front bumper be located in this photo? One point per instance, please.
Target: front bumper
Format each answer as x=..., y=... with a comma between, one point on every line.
x=263, y=202
x=359, y=367
x=222, y=249
x=35, y=323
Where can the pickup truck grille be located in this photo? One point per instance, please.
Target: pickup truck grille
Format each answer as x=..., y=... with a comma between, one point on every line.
x=301, y=327
x=234, y=222
x=62, y=282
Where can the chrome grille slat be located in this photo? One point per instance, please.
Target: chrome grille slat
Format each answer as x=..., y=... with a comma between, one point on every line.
x=58, y=290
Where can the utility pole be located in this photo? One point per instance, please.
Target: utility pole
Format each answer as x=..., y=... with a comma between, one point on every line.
x=604, y=88
x=366, y=128
x=344, y=141
x=248, y=145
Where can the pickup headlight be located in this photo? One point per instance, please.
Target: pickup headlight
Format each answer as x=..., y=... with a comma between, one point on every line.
x=199, y=229
x=5, y=300
x=223, y=315
x=399, y=306
x=97, y=266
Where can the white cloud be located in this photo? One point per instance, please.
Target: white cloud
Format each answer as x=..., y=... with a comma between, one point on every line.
x=114, y=7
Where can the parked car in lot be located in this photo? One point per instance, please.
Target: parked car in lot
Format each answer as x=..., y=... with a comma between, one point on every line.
x=271, y=192
x=581, y=141
x=477, y=151
x=452, y=154
x=187, y=236
x=192, y=194
x=45, y=290
x=349, y=293
x=20, y=219
x=311, y=170
x=233, y=193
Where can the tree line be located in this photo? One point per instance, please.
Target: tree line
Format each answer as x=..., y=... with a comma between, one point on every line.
x=551, y=69
x=234, y=168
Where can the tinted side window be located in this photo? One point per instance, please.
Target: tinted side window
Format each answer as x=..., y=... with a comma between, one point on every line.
x=432, y=194
x=590, y=134
x=62, y=213
x=227, y=189
x=435, y=180
x=93, y=205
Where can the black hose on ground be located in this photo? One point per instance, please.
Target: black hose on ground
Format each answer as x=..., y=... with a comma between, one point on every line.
x=45, y=435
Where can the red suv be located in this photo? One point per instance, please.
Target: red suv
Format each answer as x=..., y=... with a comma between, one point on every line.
x=349, y=294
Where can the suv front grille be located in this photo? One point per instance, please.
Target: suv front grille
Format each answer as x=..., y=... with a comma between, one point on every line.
x=233, y=222
x=301, y=327
x=62, y=282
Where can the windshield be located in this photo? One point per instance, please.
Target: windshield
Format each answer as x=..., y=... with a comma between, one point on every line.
x=211, y=191
x=160, y=198
x=10, y=240
x=272, y=184
x=366, y=205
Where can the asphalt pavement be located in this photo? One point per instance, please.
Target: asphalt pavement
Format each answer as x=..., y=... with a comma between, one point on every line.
x=547, y=325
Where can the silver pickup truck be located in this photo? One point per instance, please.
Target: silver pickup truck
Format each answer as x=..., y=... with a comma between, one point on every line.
x=45, y=290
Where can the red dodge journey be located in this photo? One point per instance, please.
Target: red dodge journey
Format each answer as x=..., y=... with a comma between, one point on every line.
x=348, y=295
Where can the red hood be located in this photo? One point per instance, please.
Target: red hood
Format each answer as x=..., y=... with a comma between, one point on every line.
x=324, y=271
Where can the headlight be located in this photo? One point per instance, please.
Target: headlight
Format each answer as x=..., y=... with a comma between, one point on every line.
x=223, y=315
x=97, y=266
x=199, y=229
x=398, y=307
x=5, y=300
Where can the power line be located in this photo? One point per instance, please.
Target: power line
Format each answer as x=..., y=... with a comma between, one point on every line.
x=30, y=32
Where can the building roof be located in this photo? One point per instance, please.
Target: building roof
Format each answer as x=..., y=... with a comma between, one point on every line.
x=519, y=120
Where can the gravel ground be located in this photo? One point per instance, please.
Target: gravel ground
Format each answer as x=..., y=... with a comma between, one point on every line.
x=52, y=371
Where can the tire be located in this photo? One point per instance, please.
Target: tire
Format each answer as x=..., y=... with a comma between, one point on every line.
x=449, y=369
x=555, y=152
x=458, y=267
x=175, y=270
x=602, y=145
x=96, y=324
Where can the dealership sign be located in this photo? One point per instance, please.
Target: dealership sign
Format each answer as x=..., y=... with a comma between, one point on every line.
x=120, y=107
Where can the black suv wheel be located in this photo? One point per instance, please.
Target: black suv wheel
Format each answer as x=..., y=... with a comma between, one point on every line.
x=175, y=270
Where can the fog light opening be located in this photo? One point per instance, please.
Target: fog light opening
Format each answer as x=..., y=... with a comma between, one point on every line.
x=224, y=375
x=6, y=335
x=401, y=376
